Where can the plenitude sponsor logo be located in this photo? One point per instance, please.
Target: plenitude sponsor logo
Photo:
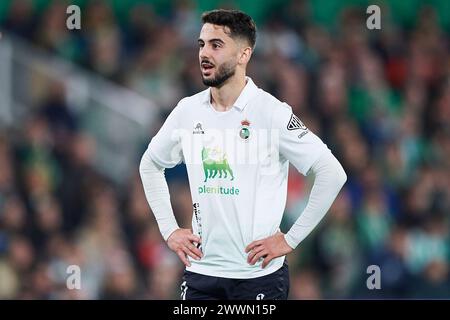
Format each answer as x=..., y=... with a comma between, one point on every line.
x=232, y=191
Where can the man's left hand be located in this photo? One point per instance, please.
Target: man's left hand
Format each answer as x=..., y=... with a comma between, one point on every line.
x=270, y=248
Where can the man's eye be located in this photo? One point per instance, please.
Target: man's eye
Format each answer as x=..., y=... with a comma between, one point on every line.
x=216, y=45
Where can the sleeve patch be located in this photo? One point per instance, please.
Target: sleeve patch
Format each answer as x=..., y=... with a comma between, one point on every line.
x=295, y=123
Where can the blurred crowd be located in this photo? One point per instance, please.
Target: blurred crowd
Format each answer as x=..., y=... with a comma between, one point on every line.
x=380, y=100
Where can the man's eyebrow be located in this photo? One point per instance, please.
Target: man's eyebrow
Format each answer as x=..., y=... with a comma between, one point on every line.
x=212, y=40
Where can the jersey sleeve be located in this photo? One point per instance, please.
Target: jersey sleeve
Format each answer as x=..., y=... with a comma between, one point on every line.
x=297, y=143
x=165, y=146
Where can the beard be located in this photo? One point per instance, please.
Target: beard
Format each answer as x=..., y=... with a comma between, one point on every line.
x=224, y=72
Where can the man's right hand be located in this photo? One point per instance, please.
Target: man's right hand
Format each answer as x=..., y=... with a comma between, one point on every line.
x=182, y=242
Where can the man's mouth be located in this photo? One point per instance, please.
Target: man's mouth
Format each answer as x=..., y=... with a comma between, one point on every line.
x=206, y=66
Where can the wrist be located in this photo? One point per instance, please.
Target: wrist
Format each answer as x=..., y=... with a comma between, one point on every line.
x=169, y=233
x=290, y=241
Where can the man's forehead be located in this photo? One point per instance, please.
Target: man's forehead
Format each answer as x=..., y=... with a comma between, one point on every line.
x=210, y=31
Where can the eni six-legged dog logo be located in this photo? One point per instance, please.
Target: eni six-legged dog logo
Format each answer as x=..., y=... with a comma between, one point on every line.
x=215, y=162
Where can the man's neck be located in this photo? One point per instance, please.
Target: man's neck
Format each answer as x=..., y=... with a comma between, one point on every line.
x=223, y=98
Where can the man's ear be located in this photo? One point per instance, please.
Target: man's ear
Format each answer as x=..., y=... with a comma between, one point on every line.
x=245, y=55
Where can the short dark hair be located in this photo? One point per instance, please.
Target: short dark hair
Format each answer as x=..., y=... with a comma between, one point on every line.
x=241, y=25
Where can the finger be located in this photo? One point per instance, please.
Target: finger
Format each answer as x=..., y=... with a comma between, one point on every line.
x=260, y=254
x=193, y=237
x=254, y=252
x=266, y=261
x=183, y=258
x=195, y=250
x=252, y=245
x=191, y=253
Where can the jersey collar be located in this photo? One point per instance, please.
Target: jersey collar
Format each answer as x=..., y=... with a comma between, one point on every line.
x=243, y=99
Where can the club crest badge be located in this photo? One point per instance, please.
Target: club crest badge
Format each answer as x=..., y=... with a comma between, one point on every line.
x=244, y=132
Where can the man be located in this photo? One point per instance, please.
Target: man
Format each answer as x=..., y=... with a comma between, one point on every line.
x=237, y=142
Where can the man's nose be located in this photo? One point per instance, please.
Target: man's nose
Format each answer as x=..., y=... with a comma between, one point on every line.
x=205, y=53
